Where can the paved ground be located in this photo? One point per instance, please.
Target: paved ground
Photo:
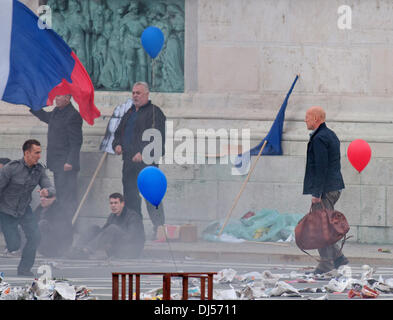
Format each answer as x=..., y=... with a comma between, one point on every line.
x=264, y=252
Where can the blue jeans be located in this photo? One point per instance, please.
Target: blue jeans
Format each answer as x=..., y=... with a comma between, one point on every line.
x=29, y=224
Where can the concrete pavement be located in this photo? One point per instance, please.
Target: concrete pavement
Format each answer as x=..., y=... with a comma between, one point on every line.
x=259, y=252
x=264, y=252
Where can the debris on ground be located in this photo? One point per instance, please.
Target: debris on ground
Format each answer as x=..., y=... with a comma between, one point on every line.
x=384, y=250
x=267, y=285
x=44, y=290
x=230, y=285
x=283, y=289
x=264, y=225
x=363, y=292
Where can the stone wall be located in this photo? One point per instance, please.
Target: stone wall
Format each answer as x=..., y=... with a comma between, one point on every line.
x=241, y=58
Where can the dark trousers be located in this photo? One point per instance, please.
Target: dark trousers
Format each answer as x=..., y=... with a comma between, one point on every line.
x=332, y=252
x=67, y=191
x=56, y=237
x=29, y=224
x=131, y=194
x=113, y=240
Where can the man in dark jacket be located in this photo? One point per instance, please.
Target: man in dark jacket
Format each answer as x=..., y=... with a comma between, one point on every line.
x=122, y=236
x=18, y=179
x=63, y=149
x=128, y=141
x=323, y=179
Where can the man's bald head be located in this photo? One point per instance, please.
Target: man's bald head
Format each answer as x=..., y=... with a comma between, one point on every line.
x=315, y=116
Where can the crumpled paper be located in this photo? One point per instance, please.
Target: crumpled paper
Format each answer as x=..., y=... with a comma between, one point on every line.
x=228, y=294
x=283, y=289
x=225, y=276
x=44, y=290
x=252, y=291
x=367, y=272
x=263, y=285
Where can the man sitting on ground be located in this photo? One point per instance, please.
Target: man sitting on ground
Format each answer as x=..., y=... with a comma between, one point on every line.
x=122, y=236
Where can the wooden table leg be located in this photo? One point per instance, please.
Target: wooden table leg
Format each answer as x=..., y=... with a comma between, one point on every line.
x=203, y=288
x=210, y=287
x=185, y=287
x=137, y=286
x=166, y=287
x=115, y=287
x=123, y=286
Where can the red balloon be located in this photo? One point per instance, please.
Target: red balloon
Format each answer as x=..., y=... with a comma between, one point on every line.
x=359, y=154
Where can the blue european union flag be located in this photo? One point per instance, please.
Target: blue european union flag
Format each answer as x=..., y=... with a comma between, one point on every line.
x=273, y=145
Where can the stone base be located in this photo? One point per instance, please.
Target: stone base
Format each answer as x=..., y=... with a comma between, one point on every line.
x=201, y=193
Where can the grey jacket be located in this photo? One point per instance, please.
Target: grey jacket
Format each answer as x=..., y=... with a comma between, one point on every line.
x=17, y=182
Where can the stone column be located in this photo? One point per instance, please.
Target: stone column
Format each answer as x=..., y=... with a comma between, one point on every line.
x=191, y=46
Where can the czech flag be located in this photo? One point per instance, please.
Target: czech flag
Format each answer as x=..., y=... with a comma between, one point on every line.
x=36, y=64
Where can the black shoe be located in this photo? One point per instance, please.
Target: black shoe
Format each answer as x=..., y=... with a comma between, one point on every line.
x=340, y=261
x=25, y=273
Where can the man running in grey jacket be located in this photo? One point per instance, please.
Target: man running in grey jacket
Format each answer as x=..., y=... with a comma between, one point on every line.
x=18, y=179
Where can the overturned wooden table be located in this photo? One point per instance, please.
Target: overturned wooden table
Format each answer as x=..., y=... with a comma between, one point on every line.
x=166, y=284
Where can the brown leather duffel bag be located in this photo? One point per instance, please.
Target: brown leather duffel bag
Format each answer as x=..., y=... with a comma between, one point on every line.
x=320, y=228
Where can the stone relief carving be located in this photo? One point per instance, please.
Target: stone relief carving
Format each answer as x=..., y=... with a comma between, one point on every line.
x=105, y=35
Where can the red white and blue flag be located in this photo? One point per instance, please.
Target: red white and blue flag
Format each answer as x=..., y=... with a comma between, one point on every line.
x=36, y=64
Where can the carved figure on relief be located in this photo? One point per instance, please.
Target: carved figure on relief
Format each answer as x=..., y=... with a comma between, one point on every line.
x=173, y=67
x=134, y=57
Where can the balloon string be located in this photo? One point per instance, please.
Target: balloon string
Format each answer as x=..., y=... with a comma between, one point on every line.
x=360, y=191
x=152, y=73
x=170, y=248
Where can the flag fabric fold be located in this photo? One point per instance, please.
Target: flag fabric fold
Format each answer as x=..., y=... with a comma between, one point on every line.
x=273, y=145
x=36, y=64
x=113, y=123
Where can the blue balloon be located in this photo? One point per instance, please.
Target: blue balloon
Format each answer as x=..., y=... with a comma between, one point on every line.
x=152, y=41
x=152, y=184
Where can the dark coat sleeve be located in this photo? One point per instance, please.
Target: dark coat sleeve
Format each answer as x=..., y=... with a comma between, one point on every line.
x=117, y=140
x=109, y=221
x=44, y=116
x=321, y=156
x=135, y=228
x=75, y=138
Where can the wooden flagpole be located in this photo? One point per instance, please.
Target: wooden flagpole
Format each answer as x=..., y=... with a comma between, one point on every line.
x=242, y=188
x=89, y=187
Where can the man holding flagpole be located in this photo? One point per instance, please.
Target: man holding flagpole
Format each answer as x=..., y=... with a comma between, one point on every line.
x=63, y=150
x=36, y=67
